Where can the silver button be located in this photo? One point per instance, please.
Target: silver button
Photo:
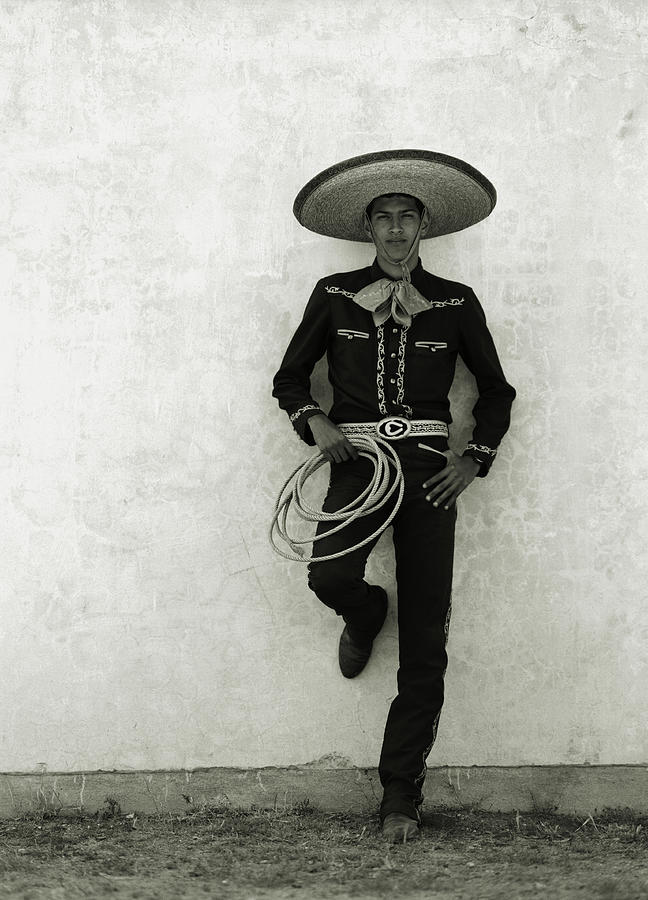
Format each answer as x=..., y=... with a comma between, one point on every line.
x=393, y=356
x=394, y=330
x=392, y=381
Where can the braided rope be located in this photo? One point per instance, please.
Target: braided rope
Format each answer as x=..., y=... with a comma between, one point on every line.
x=372, y=498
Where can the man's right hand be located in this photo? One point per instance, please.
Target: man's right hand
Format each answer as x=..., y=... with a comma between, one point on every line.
x=335, y=446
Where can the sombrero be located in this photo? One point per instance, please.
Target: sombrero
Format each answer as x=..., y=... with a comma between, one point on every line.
x=456, y=194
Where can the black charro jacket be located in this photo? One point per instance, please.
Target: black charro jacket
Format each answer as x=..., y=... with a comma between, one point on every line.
x=395, y=370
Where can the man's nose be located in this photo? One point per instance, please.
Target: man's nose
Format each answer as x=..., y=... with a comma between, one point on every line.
x=395, y=227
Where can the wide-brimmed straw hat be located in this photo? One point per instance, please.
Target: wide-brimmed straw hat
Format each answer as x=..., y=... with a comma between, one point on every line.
x=456, y=194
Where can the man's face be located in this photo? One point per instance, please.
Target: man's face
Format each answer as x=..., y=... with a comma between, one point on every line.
x=395, y=221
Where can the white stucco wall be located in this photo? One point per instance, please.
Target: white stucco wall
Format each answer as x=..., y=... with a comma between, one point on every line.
x=151, y=275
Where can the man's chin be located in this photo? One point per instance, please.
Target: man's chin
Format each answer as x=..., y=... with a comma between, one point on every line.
x=397, y=252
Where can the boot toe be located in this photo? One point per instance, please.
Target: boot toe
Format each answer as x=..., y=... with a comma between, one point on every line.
x=400, y=829
x=351, y=657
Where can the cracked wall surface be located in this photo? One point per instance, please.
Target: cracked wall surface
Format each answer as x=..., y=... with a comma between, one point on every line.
x=151, y=276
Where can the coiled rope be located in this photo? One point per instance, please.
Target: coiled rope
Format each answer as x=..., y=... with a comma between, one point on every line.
x=378, y=492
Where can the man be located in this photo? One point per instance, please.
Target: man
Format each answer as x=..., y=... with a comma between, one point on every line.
x=392, y=333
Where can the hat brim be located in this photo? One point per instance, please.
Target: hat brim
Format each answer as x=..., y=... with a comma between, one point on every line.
x=456, y=194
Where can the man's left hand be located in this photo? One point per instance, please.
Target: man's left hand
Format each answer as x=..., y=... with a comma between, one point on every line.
x=450, y=482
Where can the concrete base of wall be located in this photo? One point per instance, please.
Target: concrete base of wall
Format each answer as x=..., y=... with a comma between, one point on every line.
x=577, y=790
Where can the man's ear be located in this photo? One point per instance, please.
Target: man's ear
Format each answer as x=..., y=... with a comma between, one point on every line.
x=366, y=225
x=426, y=218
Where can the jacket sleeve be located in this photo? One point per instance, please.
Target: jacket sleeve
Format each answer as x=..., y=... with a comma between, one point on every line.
x=492, y=411
x=291, y=384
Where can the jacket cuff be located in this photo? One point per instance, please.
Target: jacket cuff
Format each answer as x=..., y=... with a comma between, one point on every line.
x=299, y=421
x=481, y=454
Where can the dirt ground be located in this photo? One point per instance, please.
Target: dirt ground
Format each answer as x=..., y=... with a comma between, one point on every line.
x=303, y=853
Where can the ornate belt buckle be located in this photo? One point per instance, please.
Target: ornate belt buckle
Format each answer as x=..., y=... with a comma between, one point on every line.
x=394, y=428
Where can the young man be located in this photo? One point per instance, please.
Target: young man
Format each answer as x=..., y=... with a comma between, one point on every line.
x=392, y=333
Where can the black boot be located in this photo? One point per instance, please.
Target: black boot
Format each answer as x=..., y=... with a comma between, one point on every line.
x=400, y=829
x=353, y=654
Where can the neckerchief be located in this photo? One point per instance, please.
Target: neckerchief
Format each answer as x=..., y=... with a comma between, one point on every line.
x=386, y=297
x=398, y=299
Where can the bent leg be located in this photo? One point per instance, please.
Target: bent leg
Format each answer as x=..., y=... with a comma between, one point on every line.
x=339, y=583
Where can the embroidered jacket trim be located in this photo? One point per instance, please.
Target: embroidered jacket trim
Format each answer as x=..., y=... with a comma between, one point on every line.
x=303, y=409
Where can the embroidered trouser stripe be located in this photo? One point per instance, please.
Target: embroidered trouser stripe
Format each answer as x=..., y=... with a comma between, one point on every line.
x=421, y=777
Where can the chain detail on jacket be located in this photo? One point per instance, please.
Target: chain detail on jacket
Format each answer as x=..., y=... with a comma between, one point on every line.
x=400, y=383
x=380, y=371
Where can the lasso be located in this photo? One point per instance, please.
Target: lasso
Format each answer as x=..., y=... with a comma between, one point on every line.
x=377, y=493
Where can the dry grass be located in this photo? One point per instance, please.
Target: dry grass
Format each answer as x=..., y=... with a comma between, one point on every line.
x=301, y=852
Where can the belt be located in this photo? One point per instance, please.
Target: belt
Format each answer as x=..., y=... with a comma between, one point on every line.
x=395, y=428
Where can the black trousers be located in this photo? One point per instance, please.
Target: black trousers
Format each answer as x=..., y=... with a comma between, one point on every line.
x=424, y=548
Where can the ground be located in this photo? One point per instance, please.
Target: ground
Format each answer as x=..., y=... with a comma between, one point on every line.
x=300, y=852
